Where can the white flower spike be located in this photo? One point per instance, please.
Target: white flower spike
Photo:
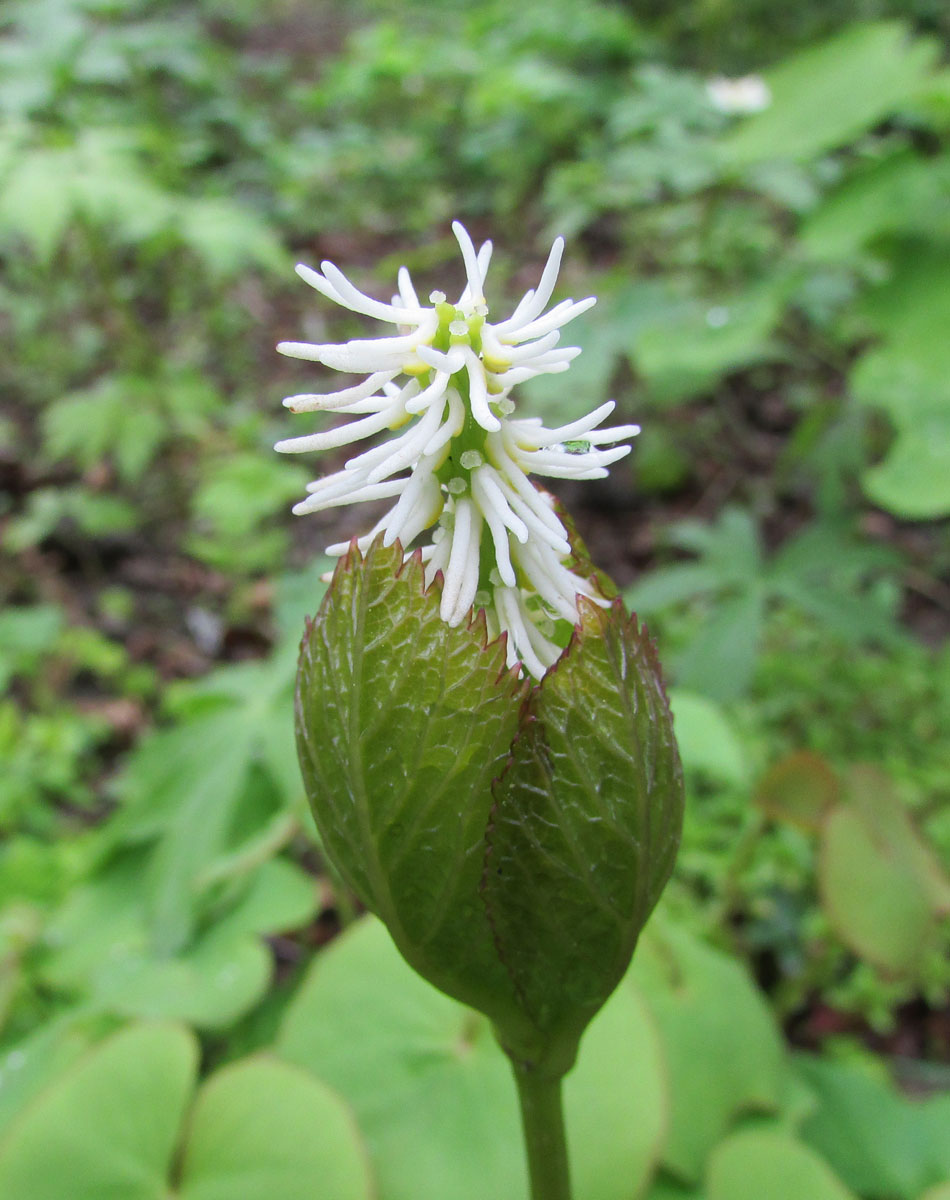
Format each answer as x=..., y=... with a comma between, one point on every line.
x=460, y=462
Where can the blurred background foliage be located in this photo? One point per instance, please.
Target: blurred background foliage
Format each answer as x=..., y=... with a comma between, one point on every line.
x=774, y=307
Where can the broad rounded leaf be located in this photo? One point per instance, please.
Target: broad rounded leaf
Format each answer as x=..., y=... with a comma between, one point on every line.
x=762, y=1164
x=433, y=1093
x=108, y=1126
x=723, y=1050
x=881, y=887
x=586, y=827
x=878, y=1141
x=263, y=1130
x=799, y=789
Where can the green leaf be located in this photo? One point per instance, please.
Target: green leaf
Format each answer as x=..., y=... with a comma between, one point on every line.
x=586, y=825
x=761, y=1164
x=903, y=192
x=111, y=187
x=188, y=785
x=240, y=490
x=262, y=1130
x=821, y=98
x=707, y=739
x=26, y=634
x=117, y=417
x=880, y=1143
x=34, y=205
x=800, y=789
x=720, y=660
x=433, y=1093
x=665, y=1188
x=826, y=571
x=108, y=1126
x=685, y=354
x=99, y=945
x=914, y=480
x=189, y=780
x=881, y=887
x=627, y=310
x=228, y=238
x=724, y=1053
x=907, y=376
x=667, y=586
x=29, y=1065
x=113, y=1123
x=402, y=725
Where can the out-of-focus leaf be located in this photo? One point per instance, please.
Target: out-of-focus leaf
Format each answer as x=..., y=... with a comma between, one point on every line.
x=880, y=885
x=879, y=1142
x=684, y=355
x=26, y=634
x=109, y=1125
x=30, y=1064
x=108, y=419
x=904, y=192
x=666, y=1188
x=237, y=495
x=666, y=586
x=113, y=1124
x=98, y=946
x=432, y=1091
x=33, y=203
x=720, y=660
x=821, y=98
x=625, y=309
x=907, y=376
x=229, y=238
x=263, y=1130
x=764, y=1164
x=187, y=785
x=724, y=1053
x=707, y=739
x=799, y=789
x=730, y=545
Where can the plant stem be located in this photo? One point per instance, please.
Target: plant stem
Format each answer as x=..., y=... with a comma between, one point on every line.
x=542, y=1119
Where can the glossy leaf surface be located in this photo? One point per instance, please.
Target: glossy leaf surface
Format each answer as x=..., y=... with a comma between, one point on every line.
x=402, y=725
x=587, y=824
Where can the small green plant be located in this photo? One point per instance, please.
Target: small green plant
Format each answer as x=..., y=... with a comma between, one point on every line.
x=514, y=841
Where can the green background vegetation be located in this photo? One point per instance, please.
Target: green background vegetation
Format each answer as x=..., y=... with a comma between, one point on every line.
x=774, y=307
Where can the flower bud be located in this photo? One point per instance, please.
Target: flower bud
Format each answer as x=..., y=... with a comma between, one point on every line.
x=514, y=837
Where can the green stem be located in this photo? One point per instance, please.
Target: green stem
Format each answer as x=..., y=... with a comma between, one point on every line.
x=542, y=1119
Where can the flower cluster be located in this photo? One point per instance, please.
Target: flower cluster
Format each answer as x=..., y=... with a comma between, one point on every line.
x=460, y=461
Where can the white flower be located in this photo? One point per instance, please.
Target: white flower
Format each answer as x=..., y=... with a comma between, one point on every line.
x=460, y=459
x=749, y=94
